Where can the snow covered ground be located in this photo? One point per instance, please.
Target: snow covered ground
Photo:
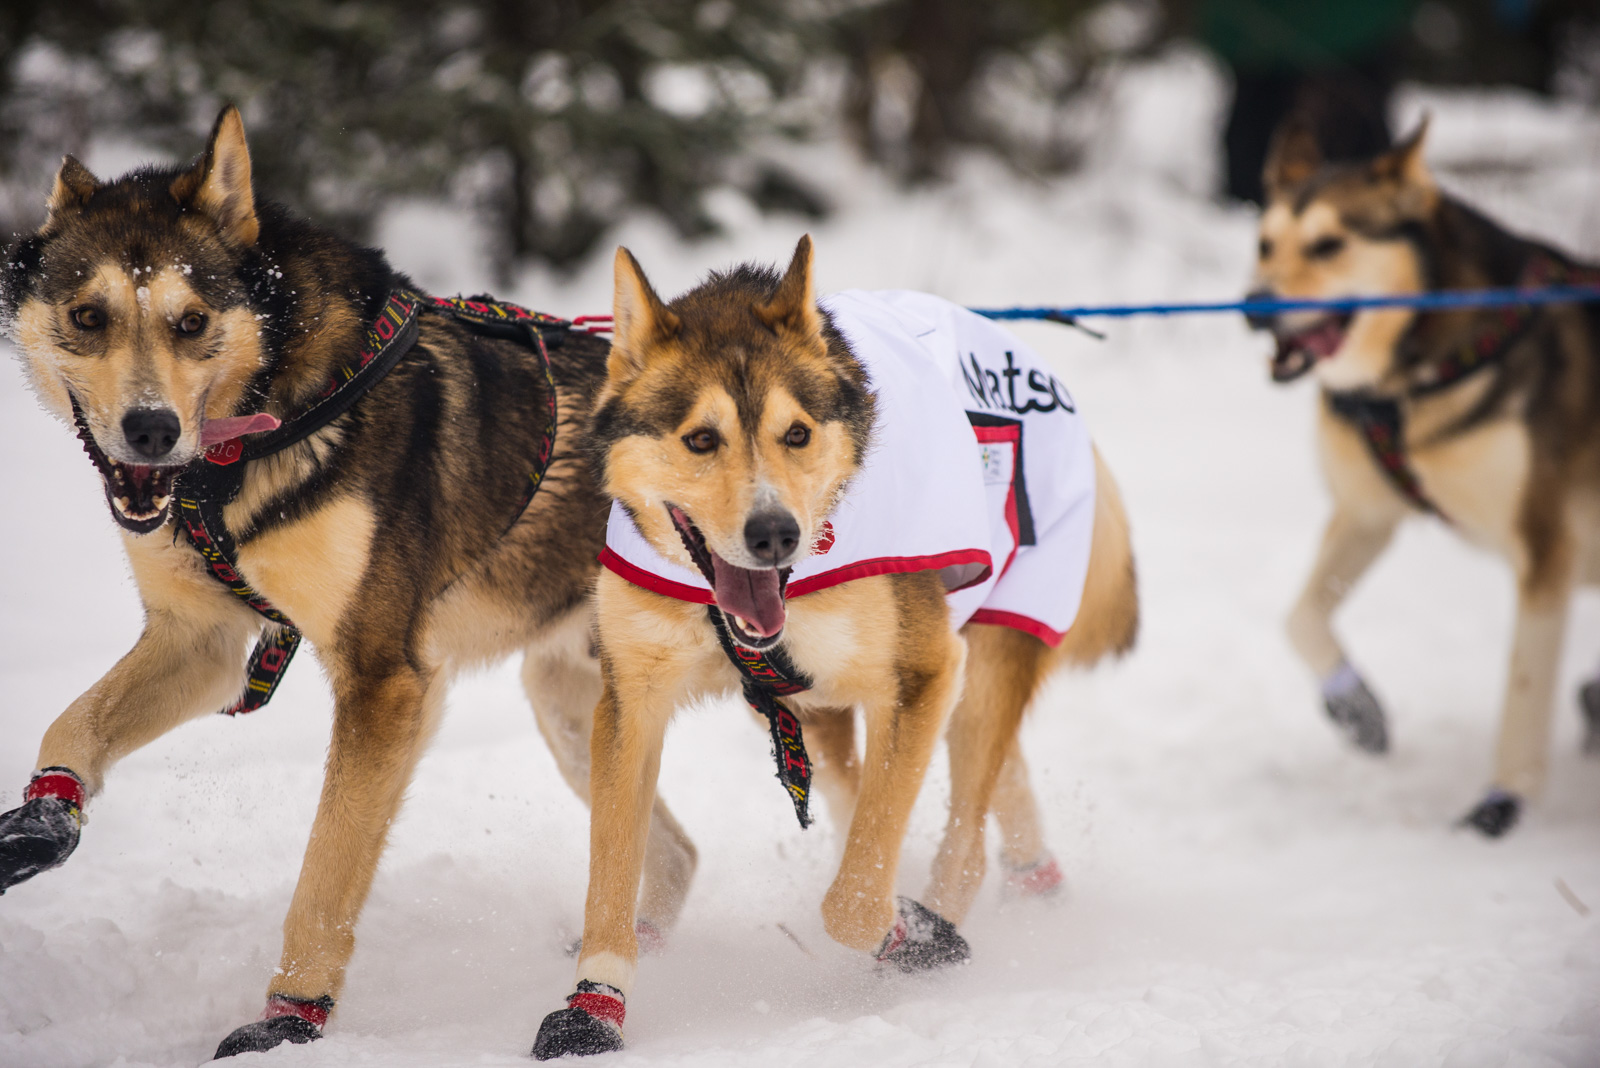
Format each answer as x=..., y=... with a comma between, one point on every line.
x=1243, y=890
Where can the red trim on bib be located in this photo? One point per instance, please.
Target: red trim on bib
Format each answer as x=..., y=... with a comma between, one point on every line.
x=654, y=583
x=996, y=618
x=895, y=565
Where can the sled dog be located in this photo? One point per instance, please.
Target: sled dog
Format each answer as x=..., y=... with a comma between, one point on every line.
x=809, y=497
x=1485, y=419
x=295, y=441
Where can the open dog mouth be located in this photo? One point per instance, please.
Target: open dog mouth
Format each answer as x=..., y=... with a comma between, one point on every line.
x=1299, y=351
x=139, y=496
x=752, y=600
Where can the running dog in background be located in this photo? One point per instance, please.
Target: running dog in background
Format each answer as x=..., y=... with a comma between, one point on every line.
x=1487, y=419
x=808, y=496
x=262, y=398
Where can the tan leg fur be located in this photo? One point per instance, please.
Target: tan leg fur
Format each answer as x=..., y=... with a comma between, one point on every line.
x=1004, y=671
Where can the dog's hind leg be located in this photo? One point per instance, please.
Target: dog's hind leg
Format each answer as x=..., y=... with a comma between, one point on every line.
x=1589, y=692
x=188, y=661
x=1004, y=667
x=1350, y=544
x=384, y=711
x=1029, y=868
x=564, y=690
x=1522, y=752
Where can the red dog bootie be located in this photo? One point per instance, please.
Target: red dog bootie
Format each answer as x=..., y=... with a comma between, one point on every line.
x=922, y=940
x=285, y=1019
x=591, y=1023
x=1041, y=879
x=43, y=832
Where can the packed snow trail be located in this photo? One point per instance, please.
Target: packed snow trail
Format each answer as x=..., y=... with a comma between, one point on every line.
x=1242, y=889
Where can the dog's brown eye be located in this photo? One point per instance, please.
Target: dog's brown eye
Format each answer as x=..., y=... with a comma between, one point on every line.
x=1325, y=248
x=1265, y=248
x=702, y=440
x=192, y=323
x=798, y=436
x=87, y=318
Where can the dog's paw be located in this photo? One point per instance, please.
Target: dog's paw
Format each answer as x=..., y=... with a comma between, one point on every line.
x=1589, y=704
x=1496, y=814
x=922, y=940
x=591, y=1023
x=1355, y=711
x=286, y=1019
x=1040, y=880
x=37, y=837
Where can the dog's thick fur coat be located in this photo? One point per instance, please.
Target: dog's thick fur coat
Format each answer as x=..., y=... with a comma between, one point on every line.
x=383, y=535
x=1509, y=454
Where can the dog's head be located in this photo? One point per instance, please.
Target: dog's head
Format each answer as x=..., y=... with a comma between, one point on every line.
x=1341, y=230
x=730, y=422
x=129, y=304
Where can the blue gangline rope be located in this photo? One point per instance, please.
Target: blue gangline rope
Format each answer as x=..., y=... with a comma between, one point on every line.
x=1464, y=298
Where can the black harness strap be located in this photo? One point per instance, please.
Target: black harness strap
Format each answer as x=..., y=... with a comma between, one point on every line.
x=1381, y=419
x=206, y=487
x=512, y=322
x=768, y=675
x=1382, y=426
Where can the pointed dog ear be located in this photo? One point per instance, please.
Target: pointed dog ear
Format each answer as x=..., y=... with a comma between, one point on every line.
x=792, y=306
x=218, y=185
x=1293, y=157
x=1404, y=162
x=74, y=186
x=639, y=319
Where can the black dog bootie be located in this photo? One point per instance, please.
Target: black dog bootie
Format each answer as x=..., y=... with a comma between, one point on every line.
x=285, y=1019
x=44, y=831
x=922, y=940
x=591, y=1023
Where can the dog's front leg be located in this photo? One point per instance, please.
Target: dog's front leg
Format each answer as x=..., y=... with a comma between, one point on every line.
x=903, y=726
x=564, y=693
x=625, y=750
x=380, y=722
x=1350, y=544
x=188, y=661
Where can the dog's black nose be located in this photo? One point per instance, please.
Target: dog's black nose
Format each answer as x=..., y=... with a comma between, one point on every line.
x=1255, y=319
x=151, y=432
x=771, y=536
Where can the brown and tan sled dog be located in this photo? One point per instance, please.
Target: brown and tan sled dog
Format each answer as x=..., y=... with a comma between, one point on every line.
x=730, y=428
x=296, y=442
x=1487, y=419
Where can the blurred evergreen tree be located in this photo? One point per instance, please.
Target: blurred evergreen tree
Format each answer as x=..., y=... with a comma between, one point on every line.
x=924, y=77
x=554, y=116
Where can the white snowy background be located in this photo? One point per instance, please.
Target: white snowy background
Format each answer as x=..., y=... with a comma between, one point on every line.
x=1242, y=888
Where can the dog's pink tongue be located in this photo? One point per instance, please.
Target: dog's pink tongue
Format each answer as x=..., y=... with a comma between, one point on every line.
x=217, y=430
x=1324, y=340
x=753, y=596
